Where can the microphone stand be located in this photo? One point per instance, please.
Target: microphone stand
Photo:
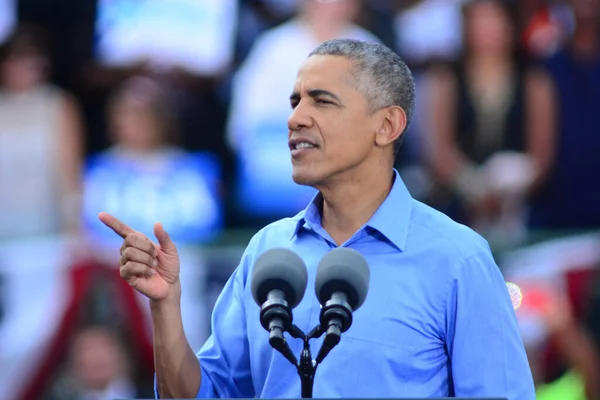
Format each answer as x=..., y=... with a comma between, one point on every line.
x=307, y=367
x=335, y=318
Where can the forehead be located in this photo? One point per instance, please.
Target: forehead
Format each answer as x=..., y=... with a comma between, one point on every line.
x=325, y=72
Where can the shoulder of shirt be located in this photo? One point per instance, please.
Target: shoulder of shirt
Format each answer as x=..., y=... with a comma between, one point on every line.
x=55, y=92
x=279, y=34
x=276, y=234
x=47, y=91
x=359, y=33
x=446, y=236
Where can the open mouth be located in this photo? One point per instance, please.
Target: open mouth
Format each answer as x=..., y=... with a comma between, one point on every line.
x=302, y=145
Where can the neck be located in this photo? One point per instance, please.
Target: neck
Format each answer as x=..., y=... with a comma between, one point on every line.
x=351, y=201
x=585, y=41
x=322, y=30
x=15, y=89
x=489, y=62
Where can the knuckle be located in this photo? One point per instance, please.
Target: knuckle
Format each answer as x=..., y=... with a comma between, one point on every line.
x=137, y=240
x=129, y=267
x=129, y=240
x=148, y=259
x=128, y=252
x=139, y=237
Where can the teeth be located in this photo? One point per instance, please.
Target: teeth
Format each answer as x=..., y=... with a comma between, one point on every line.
x=304, y=145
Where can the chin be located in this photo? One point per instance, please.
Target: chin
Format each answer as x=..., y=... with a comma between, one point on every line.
x=305, y=177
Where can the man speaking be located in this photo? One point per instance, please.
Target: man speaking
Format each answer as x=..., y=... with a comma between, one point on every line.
x=437, y=321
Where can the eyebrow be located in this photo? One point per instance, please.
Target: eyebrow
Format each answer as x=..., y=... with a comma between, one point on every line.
x=314, y=93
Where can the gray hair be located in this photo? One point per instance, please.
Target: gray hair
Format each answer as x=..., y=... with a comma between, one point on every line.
x=380, y=74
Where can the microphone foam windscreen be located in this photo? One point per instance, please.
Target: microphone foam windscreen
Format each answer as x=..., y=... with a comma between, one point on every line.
x=344, y=270
x=279, y=269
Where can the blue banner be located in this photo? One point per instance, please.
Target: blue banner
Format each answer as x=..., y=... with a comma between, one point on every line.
x=183, y=193
x=265, y=187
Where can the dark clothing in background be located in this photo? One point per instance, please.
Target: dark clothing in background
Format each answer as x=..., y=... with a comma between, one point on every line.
x=571, y=198
x=506, y=134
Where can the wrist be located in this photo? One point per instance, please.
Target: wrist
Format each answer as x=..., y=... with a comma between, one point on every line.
x=469, y=184
x=172, y=301
x=565, y=329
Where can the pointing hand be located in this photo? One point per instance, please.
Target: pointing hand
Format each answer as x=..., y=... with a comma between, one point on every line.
x=151, y=268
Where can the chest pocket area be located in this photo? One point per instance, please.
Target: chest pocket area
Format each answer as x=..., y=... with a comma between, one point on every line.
x=380, y=344
x=395, y=326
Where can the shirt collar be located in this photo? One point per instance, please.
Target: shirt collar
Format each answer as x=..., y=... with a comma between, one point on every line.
x=391, y=218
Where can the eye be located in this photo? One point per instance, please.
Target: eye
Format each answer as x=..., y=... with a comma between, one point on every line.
x=293, y=104
x=321, y=101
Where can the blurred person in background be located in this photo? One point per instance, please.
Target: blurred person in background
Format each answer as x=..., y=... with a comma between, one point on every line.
x=546, y=316
x=190, y=44
x=428, y=30
x=260, y=105
x=97, y=368
x=571, y=198
x=489, y=126
x=141, y=122
x=41, y=142
x=146, y=160
x=257, y=16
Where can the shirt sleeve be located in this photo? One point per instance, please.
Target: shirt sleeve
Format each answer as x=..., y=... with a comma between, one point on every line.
x=224, y=359
x=487, y=355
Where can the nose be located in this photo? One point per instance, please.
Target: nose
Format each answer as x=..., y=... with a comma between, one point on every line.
x=300, y=118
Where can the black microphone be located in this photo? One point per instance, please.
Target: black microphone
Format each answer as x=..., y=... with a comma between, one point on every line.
x=341, y=286
x=278, y=284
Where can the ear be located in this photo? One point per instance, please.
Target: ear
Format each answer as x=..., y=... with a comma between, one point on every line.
x=392, y=125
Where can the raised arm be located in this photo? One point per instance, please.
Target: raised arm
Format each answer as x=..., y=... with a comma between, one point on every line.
x=442, y=154
x=70, y=136
x=222, y=367
x=540, y=122
x=153, y=270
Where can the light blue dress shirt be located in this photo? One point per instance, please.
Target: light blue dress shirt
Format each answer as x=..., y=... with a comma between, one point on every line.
x=438, y=320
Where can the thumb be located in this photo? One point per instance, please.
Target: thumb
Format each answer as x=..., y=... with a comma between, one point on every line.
x=166, y=244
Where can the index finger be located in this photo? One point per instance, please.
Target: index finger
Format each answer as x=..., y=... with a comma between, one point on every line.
x=115, y=224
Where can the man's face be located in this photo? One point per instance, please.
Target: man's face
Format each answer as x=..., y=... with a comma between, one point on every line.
x=331, y=129
x=336, y=12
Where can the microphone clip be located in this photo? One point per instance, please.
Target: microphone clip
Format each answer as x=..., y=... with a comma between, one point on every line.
x=335, y=319
x=276, y=318
x=336, y=315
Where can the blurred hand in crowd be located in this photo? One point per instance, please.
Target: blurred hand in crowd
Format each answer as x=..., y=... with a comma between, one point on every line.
x=550, y=305
x=549, y=302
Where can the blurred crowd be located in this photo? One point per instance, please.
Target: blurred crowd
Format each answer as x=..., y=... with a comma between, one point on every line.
x=176, y=111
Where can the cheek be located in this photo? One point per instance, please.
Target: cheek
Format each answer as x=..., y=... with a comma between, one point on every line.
x=348, y=140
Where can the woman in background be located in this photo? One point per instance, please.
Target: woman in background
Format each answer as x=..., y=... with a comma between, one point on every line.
x=40, y=143
x=142, y=122
x=144, y=161
x=489, y=125
x=98, y=368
